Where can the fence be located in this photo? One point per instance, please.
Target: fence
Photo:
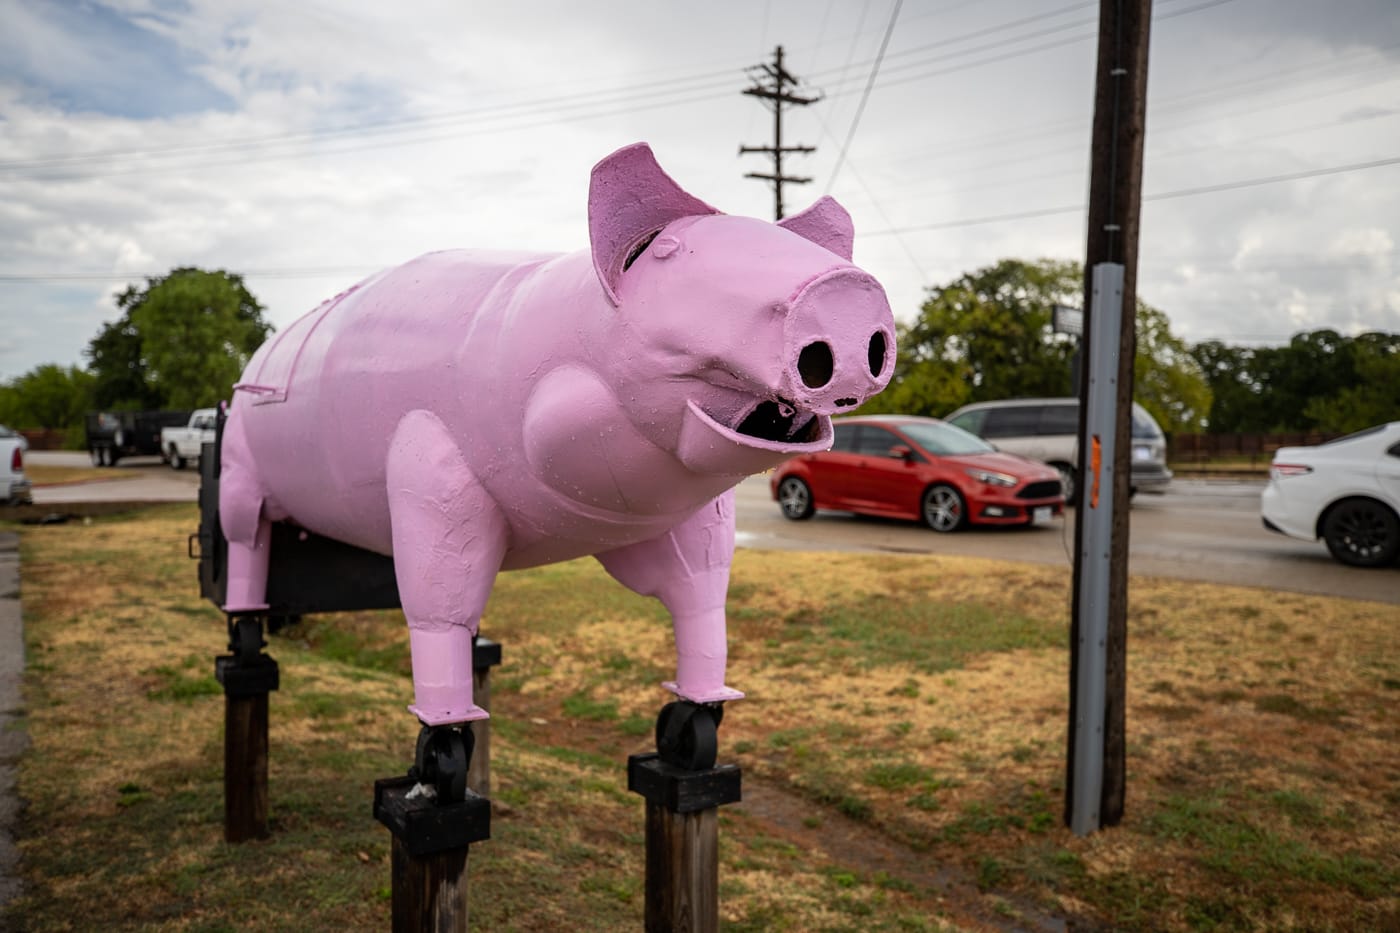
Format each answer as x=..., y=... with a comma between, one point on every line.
x=1257, y=449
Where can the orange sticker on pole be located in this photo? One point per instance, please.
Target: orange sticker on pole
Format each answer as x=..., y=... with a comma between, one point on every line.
x=1095, y=462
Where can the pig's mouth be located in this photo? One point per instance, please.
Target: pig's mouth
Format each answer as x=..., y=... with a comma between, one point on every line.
x=780, y=421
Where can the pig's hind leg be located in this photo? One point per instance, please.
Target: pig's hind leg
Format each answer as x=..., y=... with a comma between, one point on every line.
x=449, y=540
x=687, y=568
x=248, y=531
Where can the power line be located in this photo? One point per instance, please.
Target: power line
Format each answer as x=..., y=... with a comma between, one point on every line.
x=865, y=96
x=1160, y=196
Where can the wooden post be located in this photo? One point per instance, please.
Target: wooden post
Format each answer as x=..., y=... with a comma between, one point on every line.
x=247, y=676
x=430, y=891
x=682, y=881
x=486, y=654
x=682, y=840
x=245, y=767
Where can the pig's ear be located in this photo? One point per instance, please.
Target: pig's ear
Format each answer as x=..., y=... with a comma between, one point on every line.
x=629, y=200
x=825, y=223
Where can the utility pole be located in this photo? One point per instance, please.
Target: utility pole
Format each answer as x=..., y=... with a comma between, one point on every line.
x=1096, y=780
x=776, y=90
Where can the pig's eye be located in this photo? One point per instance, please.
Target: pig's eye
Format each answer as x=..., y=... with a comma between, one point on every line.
x=638, y=250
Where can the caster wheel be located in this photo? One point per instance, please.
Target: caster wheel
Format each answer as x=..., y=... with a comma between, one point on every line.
x=686, y=735
x=442, y=758
x=246, y=641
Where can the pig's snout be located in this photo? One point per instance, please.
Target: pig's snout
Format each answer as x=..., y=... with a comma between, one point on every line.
x=841, y=343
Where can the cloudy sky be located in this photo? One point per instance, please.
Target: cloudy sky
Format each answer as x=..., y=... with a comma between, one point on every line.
x=308, y=144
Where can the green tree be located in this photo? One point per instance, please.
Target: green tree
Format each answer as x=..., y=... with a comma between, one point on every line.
x=181, y=342
x=48, y=396
x=118, y=369
x=1234, y=375
x=985, y=335
x=1373, y=397
x=989, y=335
x=1167, y=380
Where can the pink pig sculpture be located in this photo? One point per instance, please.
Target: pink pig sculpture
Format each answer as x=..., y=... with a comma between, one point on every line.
x=477, y=411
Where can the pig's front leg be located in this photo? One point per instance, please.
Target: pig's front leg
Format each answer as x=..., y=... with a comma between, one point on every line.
x=687, y=568
x=449, y=540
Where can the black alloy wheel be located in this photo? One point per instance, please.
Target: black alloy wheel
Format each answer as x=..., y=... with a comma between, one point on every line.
x=1362, y=533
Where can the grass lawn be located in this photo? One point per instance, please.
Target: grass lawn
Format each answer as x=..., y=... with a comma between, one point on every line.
x=902, y=746
x=43, y=474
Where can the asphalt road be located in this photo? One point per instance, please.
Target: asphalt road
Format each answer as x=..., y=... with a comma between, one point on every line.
x=1199, y=530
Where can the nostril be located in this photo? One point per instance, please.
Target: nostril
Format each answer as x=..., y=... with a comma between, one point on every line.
x=815, y=365
x=877, y=353
x=847, y=402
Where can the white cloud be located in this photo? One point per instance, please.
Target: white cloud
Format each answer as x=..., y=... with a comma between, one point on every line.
x=500, y=136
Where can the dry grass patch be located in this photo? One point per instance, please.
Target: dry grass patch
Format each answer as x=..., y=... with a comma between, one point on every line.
x=43, y=474
x=905, y=726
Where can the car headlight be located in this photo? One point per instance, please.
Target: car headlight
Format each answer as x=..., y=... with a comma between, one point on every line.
x=991, y=478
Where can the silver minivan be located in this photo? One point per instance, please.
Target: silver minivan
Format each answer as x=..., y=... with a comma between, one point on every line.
x=1047, y=429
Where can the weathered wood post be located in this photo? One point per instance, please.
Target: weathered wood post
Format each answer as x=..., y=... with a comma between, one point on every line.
x=682, y=795
x=247, y=676
x=486, y=654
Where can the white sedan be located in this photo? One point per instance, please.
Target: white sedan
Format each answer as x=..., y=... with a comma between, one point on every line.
x=1346, y=492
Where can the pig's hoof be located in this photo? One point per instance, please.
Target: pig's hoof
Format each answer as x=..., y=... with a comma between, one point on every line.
x=686, y=735
x=447, y=717
x=713, y=695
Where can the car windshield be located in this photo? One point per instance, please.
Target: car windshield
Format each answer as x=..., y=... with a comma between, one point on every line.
x=1144, y=425
x=945, y=440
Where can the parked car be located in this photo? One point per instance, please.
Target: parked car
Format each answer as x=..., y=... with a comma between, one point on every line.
x=14, y=485
x=112, y=435
x=1047, y=429
x=902, y=466
x=1346, y=492
x=184, y=442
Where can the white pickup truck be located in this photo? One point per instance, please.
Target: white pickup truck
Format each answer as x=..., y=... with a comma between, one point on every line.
x=14, y=487
x=178, y=445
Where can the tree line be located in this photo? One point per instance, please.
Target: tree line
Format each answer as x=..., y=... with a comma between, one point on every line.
x=988, y=334
x=182, y=339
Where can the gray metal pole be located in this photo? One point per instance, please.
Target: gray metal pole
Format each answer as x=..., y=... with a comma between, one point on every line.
x=1096, y=513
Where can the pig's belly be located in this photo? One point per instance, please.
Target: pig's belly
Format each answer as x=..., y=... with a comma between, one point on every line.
x=545, y=525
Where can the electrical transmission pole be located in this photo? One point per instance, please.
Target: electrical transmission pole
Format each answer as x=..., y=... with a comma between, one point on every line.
x=777, y=90
x=1097, y=783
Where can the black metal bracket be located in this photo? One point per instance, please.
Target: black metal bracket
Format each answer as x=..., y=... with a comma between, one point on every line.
x=425, y=826
x=242, y=679
x=682, y=791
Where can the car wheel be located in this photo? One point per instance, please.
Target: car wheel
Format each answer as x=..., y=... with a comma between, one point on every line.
x=1067, y=482
x=795, y=499
x=944, y=509
x=1362, y=533
x=176, y=461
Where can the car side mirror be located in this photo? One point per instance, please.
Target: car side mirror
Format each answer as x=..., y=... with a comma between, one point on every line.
x=900, y=452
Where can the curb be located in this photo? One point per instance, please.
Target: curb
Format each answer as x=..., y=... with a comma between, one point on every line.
x=13, y=739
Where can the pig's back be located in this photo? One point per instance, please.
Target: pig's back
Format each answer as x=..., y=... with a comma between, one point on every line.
x=321, y=399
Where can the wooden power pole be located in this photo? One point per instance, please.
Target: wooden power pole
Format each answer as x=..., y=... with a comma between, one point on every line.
x=777, y=91
x=1096, y=780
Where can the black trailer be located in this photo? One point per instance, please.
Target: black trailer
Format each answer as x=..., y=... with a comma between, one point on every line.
x=112, y=435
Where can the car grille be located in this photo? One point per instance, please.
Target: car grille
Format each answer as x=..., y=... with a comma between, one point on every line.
x=1047, y=489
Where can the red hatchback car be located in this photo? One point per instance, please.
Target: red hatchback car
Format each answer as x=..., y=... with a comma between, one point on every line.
x=901, y=466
